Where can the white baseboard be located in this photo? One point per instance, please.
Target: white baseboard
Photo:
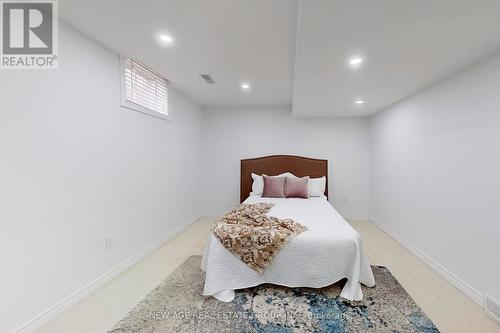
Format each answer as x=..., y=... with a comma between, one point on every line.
x=467, y=290
x=356, y=217
x=492, y=308
x=347, y=216
x=77, y=296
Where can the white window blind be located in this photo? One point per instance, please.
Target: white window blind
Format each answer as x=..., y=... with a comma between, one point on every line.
x=144, y=87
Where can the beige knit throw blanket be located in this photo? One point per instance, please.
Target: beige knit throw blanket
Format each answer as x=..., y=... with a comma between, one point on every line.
x=254, y=237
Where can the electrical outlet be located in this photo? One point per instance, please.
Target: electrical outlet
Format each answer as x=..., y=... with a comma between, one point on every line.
x=109, y=242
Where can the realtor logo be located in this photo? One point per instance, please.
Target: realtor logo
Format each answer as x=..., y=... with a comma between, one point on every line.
x=29, y=34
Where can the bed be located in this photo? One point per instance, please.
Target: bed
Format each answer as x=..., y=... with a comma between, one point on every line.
x=330, y=250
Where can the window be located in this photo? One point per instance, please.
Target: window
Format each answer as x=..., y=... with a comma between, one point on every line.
x=143, y=89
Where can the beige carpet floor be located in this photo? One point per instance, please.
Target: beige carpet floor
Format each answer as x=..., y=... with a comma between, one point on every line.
x=447, y=307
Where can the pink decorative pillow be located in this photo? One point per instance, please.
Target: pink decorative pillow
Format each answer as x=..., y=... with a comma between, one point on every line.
x=274, y=187
x=296, y=187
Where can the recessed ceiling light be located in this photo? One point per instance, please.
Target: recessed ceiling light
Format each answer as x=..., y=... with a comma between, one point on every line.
x=359, y=101
x=356, y=61
x=166, y=38
x=245, y=86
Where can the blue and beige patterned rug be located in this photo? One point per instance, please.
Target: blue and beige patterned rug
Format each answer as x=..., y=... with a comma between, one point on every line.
x=177, y=305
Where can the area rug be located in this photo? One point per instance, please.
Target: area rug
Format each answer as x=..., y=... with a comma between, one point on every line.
x=177, y=305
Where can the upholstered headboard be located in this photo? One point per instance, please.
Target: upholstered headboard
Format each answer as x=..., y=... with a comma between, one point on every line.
x=274, y=165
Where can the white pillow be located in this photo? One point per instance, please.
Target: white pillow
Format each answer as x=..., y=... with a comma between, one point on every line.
x=317, y=186
x=258, y=182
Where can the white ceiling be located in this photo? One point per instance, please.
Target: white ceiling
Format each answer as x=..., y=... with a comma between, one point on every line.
x=233, y=40
x=406, y=45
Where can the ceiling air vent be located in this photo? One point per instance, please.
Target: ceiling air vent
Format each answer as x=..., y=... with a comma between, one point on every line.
x=208, y=79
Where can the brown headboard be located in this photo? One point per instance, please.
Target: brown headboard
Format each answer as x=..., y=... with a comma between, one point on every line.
x=274, y=165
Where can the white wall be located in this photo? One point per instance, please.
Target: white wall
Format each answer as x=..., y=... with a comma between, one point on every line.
x=235, y=133
x=76, y=167
x=436, y=164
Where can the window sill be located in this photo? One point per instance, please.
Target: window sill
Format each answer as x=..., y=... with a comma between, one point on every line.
x=142, y=109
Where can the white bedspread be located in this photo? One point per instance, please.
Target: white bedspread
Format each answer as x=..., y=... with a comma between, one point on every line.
x=327, y=252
